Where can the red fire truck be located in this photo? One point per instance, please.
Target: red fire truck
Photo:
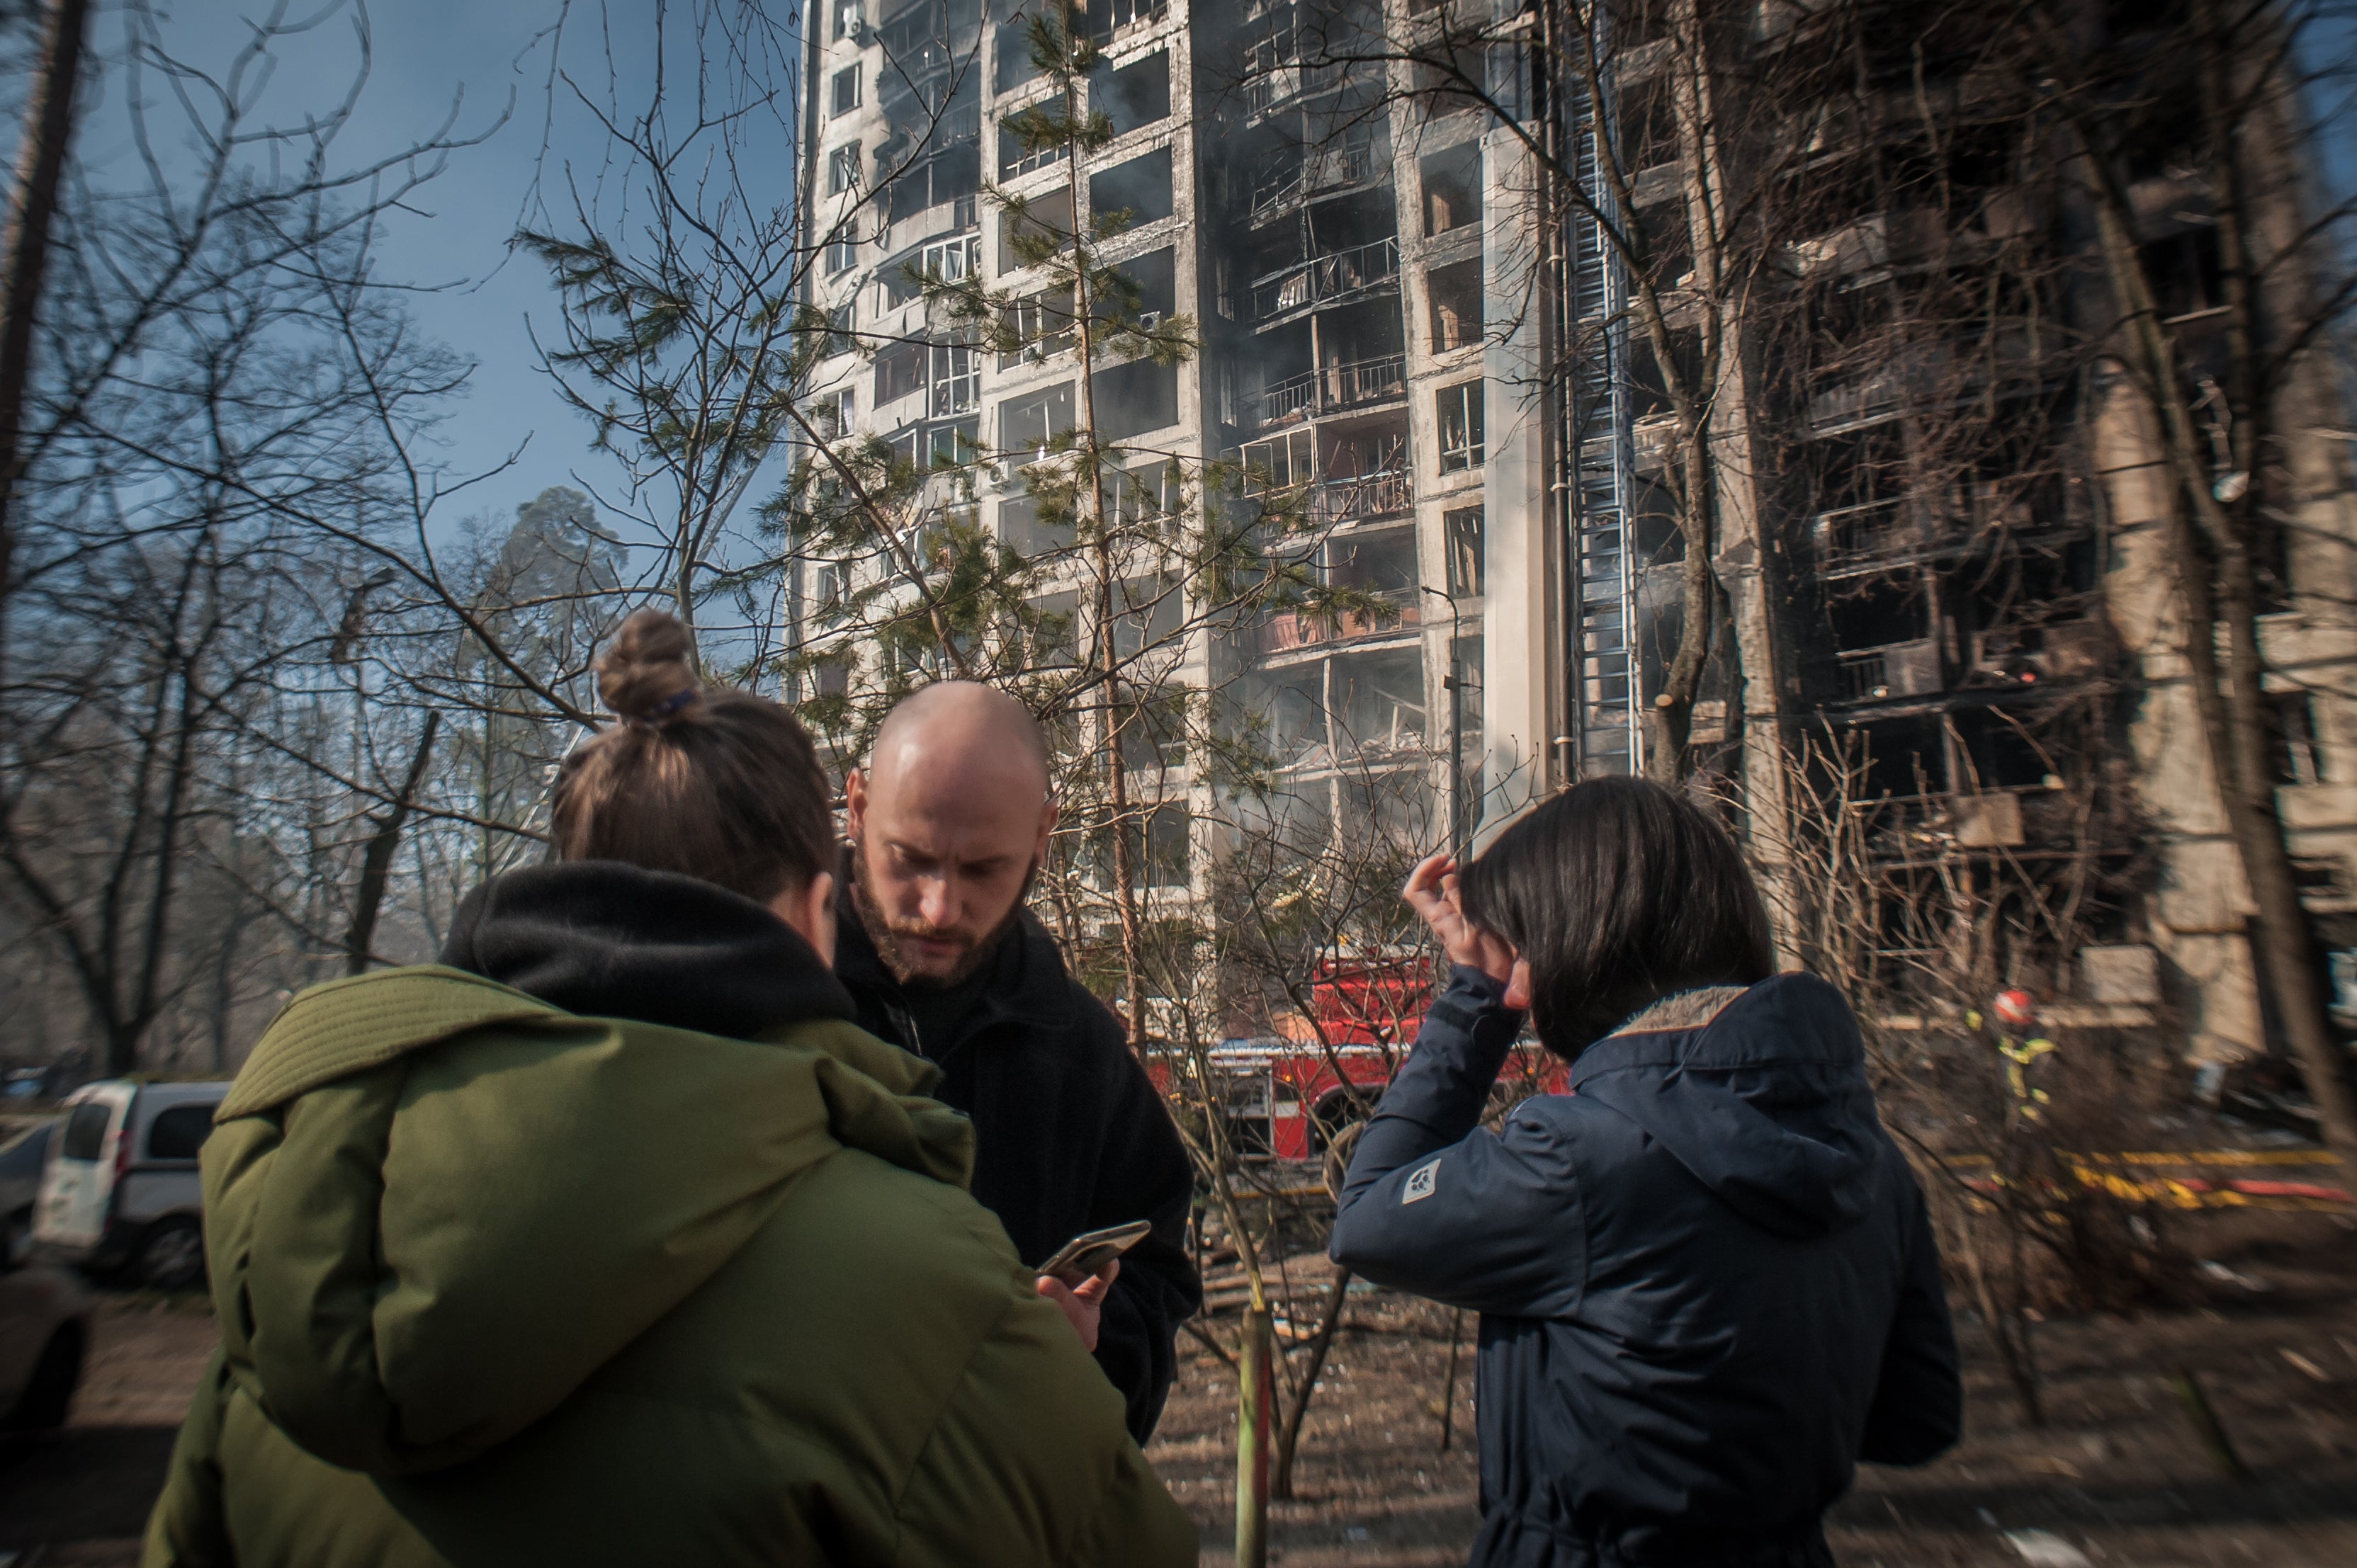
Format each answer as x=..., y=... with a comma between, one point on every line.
x=1287, y=1095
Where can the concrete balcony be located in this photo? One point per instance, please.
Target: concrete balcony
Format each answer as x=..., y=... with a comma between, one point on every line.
x=1894, y=670
x=1291, y=630
x=1883, y=240
x=1281, y=184
x=1276, y=83
x=1326, y=280
x=1362, y=499
x=1337, y=389
x=2012, y=356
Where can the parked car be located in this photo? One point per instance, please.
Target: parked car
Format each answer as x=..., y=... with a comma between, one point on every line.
x=22, y=1155
x=122, y=1192
x=44, y=1333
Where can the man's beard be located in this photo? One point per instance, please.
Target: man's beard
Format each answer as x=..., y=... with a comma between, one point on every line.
x=886, y=937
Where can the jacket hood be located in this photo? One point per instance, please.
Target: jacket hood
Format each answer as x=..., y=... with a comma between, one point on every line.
x=612, y=941
x=436, y=1205
x=1760, y=1092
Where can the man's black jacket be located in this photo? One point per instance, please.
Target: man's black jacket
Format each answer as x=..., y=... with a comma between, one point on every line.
x=1707, y=1281
x=1070, y=1134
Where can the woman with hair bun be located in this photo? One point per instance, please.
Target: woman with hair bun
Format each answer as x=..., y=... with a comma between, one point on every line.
x=1707, y=1283
x=610, y=1239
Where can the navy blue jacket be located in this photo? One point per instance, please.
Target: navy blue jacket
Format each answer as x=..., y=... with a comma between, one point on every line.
x=1706, y=1279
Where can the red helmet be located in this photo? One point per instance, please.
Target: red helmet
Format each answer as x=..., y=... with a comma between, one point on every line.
x=2015, y=1009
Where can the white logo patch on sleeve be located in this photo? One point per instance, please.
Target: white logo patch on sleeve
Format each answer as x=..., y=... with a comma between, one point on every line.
x=1421, y=1181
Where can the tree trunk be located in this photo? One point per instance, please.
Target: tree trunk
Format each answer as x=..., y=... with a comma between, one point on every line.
x=1289, y=1440
x=2213, y=572
x=2287, y=948
x=48, y=127
x=1252, y=1441
x=1670, y=716
x=123, y=1046
x=376, y=861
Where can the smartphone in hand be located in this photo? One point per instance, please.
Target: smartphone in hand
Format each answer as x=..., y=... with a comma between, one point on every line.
x=1091, y=1251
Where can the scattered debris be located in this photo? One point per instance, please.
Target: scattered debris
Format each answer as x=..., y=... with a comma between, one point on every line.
x=2211, y=1268
x=2305, y=1364
x=2045, y=1549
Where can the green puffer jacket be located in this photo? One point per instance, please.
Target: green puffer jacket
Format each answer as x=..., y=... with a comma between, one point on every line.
x=502, y=1285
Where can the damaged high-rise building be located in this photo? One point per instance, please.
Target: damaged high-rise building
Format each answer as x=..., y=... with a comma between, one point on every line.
x=1750, y=394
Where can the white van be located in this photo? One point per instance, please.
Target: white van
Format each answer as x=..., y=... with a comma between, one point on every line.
x=122, y=1191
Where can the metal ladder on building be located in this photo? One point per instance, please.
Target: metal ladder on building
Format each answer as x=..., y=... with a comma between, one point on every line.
x=1605, y=715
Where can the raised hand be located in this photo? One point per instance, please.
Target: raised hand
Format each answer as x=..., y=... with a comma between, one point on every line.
x=1432, y=892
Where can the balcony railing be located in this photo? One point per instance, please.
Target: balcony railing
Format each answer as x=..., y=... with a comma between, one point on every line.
x=1292, y=629
x=1335, y=388
x=1281, y=180
x=1280, y=82
x=2007, y=354
x=1893, y=670
x=1323, y=278
x=1921, y=827
x=1359, y=499
x=1282, y=399
x=1867, y=532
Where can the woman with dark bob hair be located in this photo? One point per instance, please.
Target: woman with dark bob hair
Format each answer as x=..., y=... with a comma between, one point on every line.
x=1708, y=1283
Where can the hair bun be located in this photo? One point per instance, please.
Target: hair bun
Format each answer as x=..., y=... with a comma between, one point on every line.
x=646, y=674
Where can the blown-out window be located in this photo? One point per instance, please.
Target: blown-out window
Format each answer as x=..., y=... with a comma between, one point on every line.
x=1014, y=61
x=842, y=248
x=832, y=414
x=1017, y=156
x=1455, y=306
x=1452, y=189
x=1462, y=445
x=1135, y=95
x=956, y=378
x=899, y=370
x=842, y=169
x=1042, y=325
x=1461, y=538
x=1031, y=421
x=1043, y=220
x=1140, y=188
x=1136, y=397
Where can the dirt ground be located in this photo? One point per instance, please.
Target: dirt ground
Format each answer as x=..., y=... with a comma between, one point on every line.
x=2119, y=1473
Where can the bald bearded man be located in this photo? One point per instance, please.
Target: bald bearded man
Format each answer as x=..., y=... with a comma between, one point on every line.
x=948, y=824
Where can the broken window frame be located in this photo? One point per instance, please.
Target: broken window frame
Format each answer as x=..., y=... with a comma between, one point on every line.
x=1463, y=441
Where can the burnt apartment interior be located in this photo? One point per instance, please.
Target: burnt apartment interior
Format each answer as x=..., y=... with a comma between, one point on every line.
x=1926, y=465
x=1310, y=332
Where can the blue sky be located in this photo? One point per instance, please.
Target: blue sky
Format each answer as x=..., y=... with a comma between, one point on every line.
x=491, y=60
x=427, y=52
